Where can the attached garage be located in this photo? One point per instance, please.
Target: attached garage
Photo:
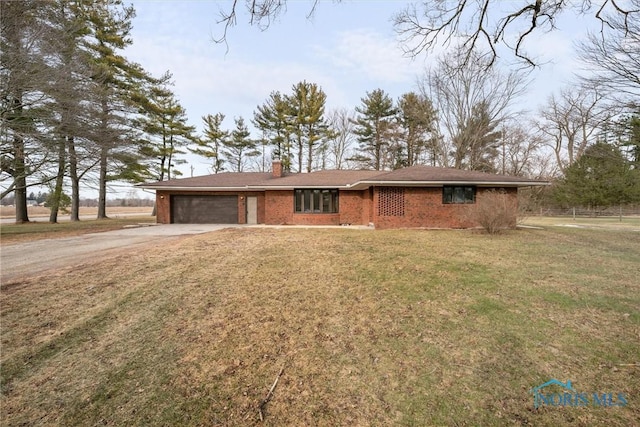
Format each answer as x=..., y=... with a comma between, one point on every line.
x=189, y=209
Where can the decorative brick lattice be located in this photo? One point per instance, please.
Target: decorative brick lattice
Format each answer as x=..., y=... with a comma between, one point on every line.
x=390, y=201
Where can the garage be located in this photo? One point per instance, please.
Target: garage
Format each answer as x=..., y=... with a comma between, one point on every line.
x=204, y=209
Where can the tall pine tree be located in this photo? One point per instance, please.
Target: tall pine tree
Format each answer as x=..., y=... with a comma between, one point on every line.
x=239, y=146
x=210, y=144
x=374, y=127
x=273, y=118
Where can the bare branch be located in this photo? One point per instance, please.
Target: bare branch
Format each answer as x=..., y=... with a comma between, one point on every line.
x=262, y=13
x=613, y=56
x=432, y=23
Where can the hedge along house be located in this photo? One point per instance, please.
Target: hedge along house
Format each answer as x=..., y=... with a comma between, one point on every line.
x=414, y=197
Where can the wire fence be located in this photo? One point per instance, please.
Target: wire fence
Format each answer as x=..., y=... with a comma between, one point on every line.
x=615, y=211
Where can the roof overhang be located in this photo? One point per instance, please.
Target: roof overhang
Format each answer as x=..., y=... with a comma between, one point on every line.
x=361, y=185
x=175, y=188
x=300, y=187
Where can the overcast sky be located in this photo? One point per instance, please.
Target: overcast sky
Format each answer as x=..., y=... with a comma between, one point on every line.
x=347, y=48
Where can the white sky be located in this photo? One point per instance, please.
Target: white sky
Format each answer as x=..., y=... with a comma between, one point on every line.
x=347, y=48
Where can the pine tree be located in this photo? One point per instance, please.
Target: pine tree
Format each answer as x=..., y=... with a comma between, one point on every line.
x=114, y=80
x=475, y=143
x=239, y=146
x=164, y=124
x=273, y=119
x=628, y=137
x=210, y=145
x=375, y=124
x=307, y=106
x=417, y=120
x=23, y=78
x=68, y=66
x=600, y=178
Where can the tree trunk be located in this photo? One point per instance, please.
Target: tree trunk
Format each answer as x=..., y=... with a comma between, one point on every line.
x=310, y=154
x=57, y=191
x=75, y=180
x=300, y=151
x=102, y=184
x=20, y=191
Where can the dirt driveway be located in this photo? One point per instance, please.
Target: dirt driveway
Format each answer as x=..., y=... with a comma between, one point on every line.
x=34, y=257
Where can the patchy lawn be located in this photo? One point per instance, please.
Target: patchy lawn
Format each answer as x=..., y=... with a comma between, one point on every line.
x=396, y=327
x=15, y=233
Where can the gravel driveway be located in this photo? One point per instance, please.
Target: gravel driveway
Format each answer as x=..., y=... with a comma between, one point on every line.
x=29, y=258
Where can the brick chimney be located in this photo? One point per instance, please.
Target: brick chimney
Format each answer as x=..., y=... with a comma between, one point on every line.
x=276, y=169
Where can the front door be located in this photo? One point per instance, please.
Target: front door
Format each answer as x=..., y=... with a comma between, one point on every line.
x=252, y=210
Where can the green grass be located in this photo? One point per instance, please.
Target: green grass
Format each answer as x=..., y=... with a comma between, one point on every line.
x=397, y=327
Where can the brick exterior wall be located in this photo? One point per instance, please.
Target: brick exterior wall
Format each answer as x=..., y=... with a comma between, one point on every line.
x=354, y=207
x=163, y=208
x=422, y=208
x=278, y=208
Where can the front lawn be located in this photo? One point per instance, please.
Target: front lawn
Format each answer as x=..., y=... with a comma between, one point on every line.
x=398, y=327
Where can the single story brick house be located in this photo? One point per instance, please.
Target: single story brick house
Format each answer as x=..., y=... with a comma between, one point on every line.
x=413, y=197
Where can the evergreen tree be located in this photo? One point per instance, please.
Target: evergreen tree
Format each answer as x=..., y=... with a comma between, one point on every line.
x=69, y=70
x=475, y=144
x=417, y=120
x=239, y=146
x=600, y=178
x=307, y=106
x=209, y=146
x=375, y=125
x=628, y=130
x=273, y=119
x=164, y=123
x=114, y=81
x=23, y=78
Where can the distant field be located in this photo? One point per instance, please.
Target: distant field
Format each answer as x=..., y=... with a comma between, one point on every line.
x=398, y=327
x=38, y=211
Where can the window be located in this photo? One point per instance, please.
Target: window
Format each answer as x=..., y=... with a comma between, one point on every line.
x=316, y=201
x=458, y=195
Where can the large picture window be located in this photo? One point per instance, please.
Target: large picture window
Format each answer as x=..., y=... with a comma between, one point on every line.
x=316, y=201
x=458, y=194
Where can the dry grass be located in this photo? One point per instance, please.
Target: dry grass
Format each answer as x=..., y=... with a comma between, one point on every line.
x=17, y=233
x=629, y=223
x=373, y=328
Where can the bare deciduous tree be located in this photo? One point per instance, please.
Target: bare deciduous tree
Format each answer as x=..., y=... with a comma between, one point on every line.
x=261, y=13
x=613, y=55
x=484, y=24
x=519, y=151
x=570, y=121
x=472, y=101
x=341, y=137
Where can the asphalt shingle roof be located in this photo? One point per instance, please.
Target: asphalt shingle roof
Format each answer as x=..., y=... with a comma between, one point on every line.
x=223, y=179
x=324, y=178
x=338, y=178
x=436, y=174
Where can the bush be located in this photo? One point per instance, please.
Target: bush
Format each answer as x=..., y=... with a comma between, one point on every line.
x=495, y=211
